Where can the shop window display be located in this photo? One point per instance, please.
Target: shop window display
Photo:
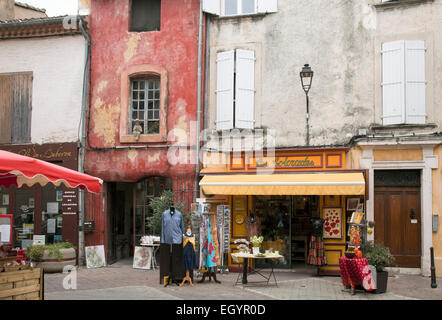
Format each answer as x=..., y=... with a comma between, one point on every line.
x=24, y=217
x=274, y=216
x=51, y=215
x=286, y=225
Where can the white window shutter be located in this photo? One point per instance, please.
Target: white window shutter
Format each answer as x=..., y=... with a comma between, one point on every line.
x=393, y=83
x=265, y=6
x=415, y=83
x=245, y=89
x=224, y=89
x=212, y=6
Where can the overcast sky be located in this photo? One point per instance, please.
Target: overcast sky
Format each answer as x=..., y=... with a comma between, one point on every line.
x=54, y=7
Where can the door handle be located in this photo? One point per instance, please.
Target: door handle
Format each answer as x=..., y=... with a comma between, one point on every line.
x=412, y=214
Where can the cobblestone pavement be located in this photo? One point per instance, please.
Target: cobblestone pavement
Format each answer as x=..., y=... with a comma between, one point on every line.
x=120, y=281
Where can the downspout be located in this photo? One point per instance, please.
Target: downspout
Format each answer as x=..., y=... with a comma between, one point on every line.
x=81, y=241
x=199, y=93
x=206, y=78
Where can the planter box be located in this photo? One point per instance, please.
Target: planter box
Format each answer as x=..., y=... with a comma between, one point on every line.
x=381, y=281
x=22, y=285
x=50, y=263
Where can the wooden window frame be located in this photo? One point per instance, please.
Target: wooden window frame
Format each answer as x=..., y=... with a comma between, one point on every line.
x=131, y=17
x=141, y=71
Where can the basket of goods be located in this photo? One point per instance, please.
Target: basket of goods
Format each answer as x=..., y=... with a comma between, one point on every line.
x=243, y=245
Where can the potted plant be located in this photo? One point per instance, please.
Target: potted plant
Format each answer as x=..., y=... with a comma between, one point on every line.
x=380, y=257
x=256, y=242
x=52, y=257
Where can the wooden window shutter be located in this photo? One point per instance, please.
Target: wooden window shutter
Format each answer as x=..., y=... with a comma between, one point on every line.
x=212, y=6
x=415, y=83
x=265, y=6
x=245, y=89
x=393, y=83
x=5, y=108
x=21, y=107
x=224, y=90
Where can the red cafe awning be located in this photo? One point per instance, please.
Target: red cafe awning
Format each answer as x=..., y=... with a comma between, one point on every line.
x=21, y=170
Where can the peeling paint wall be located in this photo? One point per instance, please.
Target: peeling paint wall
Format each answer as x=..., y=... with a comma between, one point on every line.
x=115, y=49
x=335, y=38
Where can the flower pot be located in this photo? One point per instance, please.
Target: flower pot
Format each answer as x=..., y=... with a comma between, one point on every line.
x=381, y=281
x=50, y=263
x=255, y=250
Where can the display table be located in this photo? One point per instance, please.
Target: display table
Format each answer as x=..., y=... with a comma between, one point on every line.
x=356, y=272
x=152, y=250
x=246, y=257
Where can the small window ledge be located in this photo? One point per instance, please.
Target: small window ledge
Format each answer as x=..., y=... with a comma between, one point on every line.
x=144, y=138
x=399, y=3
x=409, y=127
x=240, y=16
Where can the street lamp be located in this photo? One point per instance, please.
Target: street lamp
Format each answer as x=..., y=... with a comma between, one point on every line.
x=306, y=75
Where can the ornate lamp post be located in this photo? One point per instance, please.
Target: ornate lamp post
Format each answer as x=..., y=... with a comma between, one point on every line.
x=306, y=75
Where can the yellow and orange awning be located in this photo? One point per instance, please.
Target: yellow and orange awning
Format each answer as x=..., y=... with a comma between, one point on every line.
x=322, y=183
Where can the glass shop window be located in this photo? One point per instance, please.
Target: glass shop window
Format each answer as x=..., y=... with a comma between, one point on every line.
x=4, y=200
x=145, y=15
x=23, y=216
x=273, y=213
x=51, y=215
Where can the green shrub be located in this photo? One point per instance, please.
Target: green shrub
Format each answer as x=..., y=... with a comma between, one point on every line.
x=378, y=255
x=161, y=204
x=35, y=252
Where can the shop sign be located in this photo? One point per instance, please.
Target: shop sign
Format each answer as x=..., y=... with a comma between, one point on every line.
x=69, y=203
x=47, y=154
x=286, y=162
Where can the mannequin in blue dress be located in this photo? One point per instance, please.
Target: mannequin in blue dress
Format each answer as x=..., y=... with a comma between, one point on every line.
x=189, y=257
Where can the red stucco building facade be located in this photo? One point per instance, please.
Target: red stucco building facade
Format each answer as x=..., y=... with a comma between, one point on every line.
x=143, y=70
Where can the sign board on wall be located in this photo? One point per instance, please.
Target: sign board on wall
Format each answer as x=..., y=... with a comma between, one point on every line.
x=69, y=203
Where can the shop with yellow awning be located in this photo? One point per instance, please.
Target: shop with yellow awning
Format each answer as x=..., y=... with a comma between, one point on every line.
x=283, y=192
x=322, y=183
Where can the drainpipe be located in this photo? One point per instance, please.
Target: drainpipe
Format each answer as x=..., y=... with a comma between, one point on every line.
x=200, y=54
x=81, y=241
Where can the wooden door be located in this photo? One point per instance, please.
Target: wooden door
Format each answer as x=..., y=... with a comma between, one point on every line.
x=398, y=223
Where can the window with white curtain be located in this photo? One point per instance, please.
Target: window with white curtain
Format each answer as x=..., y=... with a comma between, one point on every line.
x=403, y=82
x=239, y=7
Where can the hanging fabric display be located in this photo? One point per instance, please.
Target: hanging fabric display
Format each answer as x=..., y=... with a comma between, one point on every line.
x=212, y=245
x=316, y=256
x=203, y=241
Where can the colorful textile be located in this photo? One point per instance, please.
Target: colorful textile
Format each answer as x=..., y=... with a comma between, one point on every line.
x=356, y=272
x=211, y=248
x=203, y=242
x=316, y=255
